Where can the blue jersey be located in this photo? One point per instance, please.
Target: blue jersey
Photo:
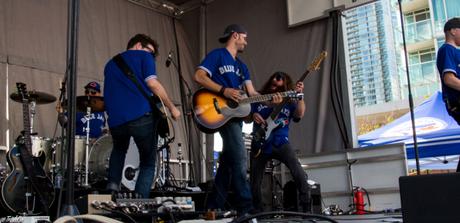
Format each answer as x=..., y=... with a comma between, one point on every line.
x=96, y=124
x=448, y=60
x=123, y=100
x=280, y=135
x=224, y=70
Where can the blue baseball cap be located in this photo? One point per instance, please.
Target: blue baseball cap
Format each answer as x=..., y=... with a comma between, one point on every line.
x=93, y=85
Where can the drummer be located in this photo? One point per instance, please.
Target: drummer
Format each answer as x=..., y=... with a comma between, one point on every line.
x=97, y=120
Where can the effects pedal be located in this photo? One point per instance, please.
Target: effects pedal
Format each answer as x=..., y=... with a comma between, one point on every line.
x=90, y=204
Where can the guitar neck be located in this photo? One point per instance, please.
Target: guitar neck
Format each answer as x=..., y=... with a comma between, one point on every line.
x=278, y=108
x=264, y=97
x=26, y=118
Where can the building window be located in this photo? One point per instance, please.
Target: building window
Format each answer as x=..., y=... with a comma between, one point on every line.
x=418, y=25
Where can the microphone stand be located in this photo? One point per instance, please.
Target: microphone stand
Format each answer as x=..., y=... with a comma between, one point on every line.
x=72, y=35
x=411, y=101
x=186, y=110
x=186, y=97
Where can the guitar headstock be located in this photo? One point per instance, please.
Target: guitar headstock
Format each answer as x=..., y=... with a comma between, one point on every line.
x=315, y=64
x=22, y=90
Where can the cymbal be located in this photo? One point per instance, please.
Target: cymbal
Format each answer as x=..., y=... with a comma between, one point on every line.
x=36, y=96
x=96, y=103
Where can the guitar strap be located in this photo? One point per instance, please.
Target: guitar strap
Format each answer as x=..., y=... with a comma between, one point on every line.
x=121, y=63
x=163, y=128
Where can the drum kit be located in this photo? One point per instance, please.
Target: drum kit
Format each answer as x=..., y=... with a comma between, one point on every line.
x=91, y=155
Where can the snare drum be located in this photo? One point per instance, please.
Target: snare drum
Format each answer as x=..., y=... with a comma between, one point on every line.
x=99, y=162
x=79, y=157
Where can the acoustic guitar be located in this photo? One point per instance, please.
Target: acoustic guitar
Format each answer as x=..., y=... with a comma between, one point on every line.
x=211, y=110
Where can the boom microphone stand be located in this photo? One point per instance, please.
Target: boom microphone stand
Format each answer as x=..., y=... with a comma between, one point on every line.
x=411, y=101
x=186, y=101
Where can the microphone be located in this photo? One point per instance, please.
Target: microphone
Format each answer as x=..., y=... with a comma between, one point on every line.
x=168, y=61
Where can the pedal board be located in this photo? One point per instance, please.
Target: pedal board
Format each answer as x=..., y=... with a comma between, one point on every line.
x=26, y=219
x=102, y=203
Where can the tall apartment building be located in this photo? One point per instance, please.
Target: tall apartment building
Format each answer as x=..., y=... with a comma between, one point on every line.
x=373, y=53
x=376, y=51
x=379, y=80
x=421, y=47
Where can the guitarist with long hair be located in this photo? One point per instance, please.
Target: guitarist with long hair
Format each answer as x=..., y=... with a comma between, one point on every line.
x=276, y=145
x=130, y=80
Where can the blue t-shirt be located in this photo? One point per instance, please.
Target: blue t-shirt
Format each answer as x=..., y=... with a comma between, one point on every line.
x=123, y=100
x=448, y=60
x=224, y=70
x=96, y=124
x=280, y=135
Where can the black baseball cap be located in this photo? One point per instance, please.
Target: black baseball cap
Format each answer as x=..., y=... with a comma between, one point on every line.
x=452, y=24
x=233, y=28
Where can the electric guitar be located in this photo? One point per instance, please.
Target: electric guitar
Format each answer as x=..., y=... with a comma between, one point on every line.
x=261, y=134
x=211, y=110
x=27, y=189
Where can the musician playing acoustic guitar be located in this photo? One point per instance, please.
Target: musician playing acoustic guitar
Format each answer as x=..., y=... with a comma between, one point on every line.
x=223, y=72
x=276, y=145
x=448, y=64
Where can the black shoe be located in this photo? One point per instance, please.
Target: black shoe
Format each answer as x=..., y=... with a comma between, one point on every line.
x=246, y=217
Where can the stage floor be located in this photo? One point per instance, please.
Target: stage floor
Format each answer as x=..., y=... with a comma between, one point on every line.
x=370, y=218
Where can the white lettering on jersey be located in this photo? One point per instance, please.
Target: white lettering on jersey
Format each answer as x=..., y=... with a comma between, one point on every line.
x=227, y=69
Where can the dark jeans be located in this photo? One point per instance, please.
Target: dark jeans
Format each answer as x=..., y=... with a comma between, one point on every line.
x=456, y=117
x=232, y=170
x=286, y=155
x=143, y=131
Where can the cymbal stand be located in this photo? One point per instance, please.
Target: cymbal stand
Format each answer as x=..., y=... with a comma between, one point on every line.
x=166, y=171
x=180, y=158
x=32, y=115
x=87, y=129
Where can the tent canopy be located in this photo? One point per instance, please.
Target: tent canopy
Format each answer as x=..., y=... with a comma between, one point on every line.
x=437, y=133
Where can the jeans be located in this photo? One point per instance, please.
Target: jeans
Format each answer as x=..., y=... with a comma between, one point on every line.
x=232, y=170
x=143, y=130
x=286, y=155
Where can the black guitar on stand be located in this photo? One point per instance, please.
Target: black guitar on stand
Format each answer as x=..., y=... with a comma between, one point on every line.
x=27, y=189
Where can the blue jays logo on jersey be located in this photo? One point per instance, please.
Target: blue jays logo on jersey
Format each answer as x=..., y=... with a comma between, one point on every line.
x=97, y=116
x=229, y=69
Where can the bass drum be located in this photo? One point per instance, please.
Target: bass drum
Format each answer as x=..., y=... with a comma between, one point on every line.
x=99, y=158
